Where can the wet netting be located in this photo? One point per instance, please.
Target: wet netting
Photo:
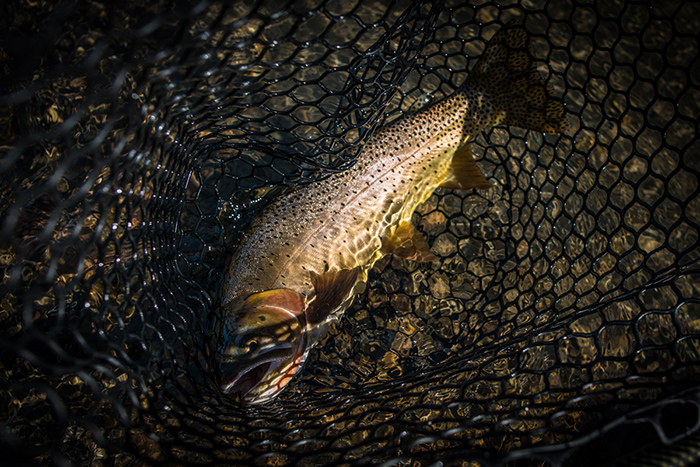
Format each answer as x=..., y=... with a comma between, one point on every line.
x=560, y=324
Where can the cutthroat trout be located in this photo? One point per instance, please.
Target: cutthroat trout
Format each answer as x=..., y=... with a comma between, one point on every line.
x=302, y=261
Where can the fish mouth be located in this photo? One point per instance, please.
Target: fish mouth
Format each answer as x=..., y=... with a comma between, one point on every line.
x=256, y=372
x=258, y=383
x=246, y=381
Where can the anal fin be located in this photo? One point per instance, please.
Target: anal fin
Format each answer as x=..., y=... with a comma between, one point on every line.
x=407, y=243
x=332, y=289
x=464, y=173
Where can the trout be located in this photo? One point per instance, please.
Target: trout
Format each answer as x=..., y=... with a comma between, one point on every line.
x=303, y=260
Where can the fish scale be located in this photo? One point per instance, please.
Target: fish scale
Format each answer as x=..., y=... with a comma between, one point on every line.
x=391, y=178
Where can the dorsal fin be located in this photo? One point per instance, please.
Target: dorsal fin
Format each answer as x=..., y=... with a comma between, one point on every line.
x=332, y=289
x=464, y=173
x=408, y=243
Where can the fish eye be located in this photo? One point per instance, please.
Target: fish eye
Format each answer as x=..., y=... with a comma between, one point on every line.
x=243, y=346
x=250, y=345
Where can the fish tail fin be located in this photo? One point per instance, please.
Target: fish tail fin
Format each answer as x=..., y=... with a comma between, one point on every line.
x=507, y=71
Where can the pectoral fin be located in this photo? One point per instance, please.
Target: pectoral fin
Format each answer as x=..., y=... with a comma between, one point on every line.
x=464, y=174
x=407, y=243
x=332, y=289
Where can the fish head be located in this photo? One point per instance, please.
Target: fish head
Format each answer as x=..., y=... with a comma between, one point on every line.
x=262, y=344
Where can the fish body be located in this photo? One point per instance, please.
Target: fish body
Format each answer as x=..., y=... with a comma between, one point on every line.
x=303, y=260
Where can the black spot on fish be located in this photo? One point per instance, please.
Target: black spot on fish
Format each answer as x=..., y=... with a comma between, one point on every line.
x=262, y=318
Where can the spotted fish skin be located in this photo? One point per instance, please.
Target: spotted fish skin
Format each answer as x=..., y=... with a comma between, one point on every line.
x=339, y=222
x=307, y=240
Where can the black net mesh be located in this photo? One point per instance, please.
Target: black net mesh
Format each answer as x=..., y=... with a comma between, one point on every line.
x=560, y=326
